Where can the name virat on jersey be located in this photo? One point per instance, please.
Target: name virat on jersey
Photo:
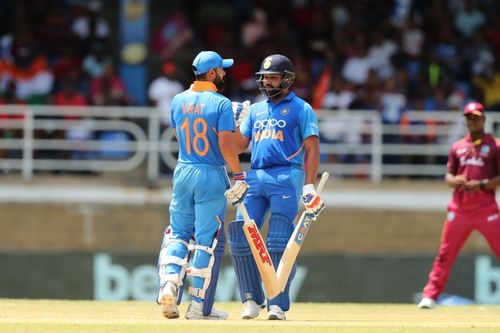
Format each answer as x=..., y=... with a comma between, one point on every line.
x=192, y=108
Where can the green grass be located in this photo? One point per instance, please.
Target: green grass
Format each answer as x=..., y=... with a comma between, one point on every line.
x=44, y=316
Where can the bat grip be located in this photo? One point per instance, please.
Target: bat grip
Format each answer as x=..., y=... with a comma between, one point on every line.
x=244, y=212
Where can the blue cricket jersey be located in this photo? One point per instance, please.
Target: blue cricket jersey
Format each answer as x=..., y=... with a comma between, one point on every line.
x=199, y=114
x=278, y=131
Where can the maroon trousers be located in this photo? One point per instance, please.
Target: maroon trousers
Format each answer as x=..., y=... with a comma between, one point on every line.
x=457, y=228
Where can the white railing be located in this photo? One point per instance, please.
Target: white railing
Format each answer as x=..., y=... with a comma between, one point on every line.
x=354, y=143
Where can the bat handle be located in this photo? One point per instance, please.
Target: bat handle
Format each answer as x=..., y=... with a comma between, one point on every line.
x=322, y=181
x=244, y=212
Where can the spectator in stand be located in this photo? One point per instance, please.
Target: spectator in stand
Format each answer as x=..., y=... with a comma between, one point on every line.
x=94, y=62
x=90, y=27
x=492, y=33
x=480, y=55
x=67, y=66
x=489, y=86
x=380, y=53
x=108, y=89
x=469, y=18
x=413, y=38
x=69, y=96
x=172, y=36
x=255, y=29
x=27, y=69
x=56, y=29
x=357, y=66
x=163, y=89
x=9, y=98
x=392, y=102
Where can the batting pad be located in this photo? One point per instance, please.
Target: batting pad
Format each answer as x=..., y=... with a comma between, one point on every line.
x=280, y=230
x=172, y=261
x=212, y=286
x=249, y=281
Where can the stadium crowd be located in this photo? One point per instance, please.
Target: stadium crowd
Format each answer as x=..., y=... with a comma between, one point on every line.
x=380, y=56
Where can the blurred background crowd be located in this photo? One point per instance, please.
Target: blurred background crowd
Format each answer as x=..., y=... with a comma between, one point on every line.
x=425, y=55
x=386, y=56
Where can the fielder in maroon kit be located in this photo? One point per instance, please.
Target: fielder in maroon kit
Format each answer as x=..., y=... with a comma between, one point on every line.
x=474, y=173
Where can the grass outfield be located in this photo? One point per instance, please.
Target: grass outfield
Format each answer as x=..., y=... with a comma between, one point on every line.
x=44, y=316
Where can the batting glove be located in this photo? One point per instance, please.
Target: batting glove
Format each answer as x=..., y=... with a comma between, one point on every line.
x=236, y=193
x=240, y=111
x=312, y=201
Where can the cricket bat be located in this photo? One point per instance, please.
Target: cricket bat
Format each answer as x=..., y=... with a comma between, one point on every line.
x=260, y=254
x=295, y=242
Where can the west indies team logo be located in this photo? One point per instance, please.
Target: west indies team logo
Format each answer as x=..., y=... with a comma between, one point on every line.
x=485, y=150
x=285, y=111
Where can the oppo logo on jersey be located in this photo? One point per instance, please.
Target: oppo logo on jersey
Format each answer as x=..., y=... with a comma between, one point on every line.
x=266, y=129
x=476, y=161
x=269, y=123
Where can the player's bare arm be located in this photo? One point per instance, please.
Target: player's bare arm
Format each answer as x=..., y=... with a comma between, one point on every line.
x=240, y=141
x=455, y=181
x=229, y=150
x=310, y=198
x=483, y=184
x=311, y=146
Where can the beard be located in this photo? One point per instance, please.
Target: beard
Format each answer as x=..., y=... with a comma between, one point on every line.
x=219, y=82
x=274, y=92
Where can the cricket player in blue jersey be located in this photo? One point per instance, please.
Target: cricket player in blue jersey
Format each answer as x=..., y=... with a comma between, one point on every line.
x=284, y=165
x=203, y=123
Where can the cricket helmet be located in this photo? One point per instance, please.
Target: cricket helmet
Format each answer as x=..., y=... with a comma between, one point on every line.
x=276, y=64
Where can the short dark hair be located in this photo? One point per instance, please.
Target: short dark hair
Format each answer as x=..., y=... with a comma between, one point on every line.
x=201, y=77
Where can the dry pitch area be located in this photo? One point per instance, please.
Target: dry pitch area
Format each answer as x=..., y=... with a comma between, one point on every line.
x=45, y=316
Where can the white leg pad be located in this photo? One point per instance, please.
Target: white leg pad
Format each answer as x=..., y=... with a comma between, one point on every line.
x=165, y=259
x=205, y=273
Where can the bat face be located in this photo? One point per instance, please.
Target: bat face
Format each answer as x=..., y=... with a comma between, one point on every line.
x=259, y=244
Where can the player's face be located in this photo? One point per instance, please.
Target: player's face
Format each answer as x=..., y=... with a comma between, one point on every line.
x=272, y=83
x=475, y=124
x=219, y=79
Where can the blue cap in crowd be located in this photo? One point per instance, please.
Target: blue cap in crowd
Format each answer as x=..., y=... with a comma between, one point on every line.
x=206, y=60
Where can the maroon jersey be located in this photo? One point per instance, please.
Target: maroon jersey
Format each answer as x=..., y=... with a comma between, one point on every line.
x=476, y=161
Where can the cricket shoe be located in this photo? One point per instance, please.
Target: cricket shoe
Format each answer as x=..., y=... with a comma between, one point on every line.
x=195, y=312
x=275, y=313
x=251, y=310
x=168, y=301
x=427, y=303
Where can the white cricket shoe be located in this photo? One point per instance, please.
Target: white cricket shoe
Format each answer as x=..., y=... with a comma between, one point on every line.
x=427, y=303
x=195, y=312
x=275, y=313
x=168, y=300
x=251, y=310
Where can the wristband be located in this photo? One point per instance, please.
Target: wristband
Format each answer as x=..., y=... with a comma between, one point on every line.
x=482, y=185
x=239, y=176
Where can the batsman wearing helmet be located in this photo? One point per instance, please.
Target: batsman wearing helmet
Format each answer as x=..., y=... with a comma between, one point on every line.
x=203, y=123
x=284, y=134
x=474, y=174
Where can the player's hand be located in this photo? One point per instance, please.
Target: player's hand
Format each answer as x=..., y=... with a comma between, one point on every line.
x=240, y=111
x=459, y=181
x=236, y=193
x=474, y=185
x=312, y=201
